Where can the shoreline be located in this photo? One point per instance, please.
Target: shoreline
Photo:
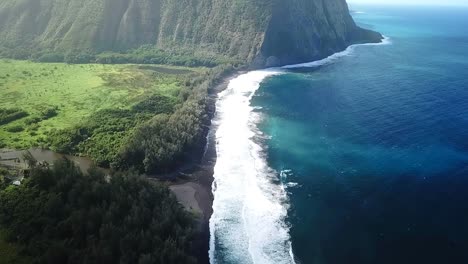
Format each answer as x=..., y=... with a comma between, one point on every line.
x=193, y=187
x=197, y=190
x=191, y=183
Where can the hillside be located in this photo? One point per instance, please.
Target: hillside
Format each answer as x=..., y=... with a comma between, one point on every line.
x=259, y=32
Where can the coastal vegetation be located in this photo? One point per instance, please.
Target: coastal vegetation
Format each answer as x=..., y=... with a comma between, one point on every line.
x=62, y=215
x=150, y=118
x=133, y=118
x=166, y=141
x=10, y=252
x=97, y=110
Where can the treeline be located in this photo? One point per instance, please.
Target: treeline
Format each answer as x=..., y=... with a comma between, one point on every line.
x=155, y=135
x=8, y=115
x=166, y=141
x=104, y=133
x=144, y=55
x=60, y=215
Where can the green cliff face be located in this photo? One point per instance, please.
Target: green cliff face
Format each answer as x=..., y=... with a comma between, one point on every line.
x=305, y=30
x=260, y=32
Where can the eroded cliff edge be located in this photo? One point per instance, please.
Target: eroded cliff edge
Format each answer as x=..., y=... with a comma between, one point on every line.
x=260, y=33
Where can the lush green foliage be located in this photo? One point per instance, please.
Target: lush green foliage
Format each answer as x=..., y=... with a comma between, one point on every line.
x=168, y=140
x=12, y=114
x=59, y=96
x=155, y=135
x=60, y=215
x=102, y=135
x=147, y=117
x=201, y=32
x=9, y=252
x=146, y=54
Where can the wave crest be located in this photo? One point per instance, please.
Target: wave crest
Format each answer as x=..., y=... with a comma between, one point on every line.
x=336, y=56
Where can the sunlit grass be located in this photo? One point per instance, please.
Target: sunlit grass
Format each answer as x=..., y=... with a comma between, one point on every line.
x=76, y=91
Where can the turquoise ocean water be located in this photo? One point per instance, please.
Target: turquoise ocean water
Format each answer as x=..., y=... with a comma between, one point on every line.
x=373, y=148
x=358, y=159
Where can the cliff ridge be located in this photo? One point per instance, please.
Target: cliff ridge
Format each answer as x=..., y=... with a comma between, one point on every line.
x=259, y=32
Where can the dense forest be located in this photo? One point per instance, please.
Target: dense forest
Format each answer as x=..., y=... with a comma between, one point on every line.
x=62, y=215
x=166, y=141
x=146, y=54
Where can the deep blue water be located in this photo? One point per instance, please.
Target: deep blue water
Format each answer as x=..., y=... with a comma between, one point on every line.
x=377, y=143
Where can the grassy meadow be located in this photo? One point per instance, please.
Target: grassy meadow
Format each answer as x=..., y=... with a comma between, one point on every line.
x=37, y=99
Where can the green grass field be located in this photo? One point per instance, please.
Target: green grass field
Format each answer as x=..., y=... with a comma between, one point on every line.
x=60, y=96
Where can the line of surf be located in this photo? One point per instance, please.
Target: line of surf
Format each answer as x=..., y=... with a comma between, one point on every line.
x=348, y=51
x=248, y=224
x=249, y=210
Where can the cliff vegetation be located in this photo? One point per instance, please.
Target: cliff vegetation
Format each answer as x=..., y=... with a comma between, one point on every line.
x=190, y=32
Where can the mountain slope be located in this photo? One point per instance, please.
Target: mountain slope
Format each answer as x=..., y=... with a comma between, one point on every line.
x=261, y=32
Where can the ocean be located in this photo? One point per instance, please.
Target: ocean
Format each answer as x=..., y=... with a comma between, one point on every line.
x=359, y=158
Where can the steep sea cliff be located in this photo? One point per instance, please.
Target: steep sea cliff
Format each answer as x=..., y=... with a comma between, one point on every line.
x=258, y=32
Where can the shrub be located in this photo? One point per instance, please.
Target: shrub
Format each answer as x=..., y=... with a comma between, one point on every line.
x=156, y=104
x=32, y=120
x=10, y=115
x=3, y=171
x=79, y=58
x=66, y=141
x=49, y=113
x=15, y=129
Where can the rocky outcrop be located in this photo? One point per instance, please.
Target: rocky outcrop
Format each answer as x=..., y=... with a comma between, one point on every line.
x=259, y=32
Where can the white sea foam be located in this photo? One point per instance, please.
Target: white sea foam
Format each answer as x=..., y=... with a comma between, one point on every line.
x=249, y=210
x=292, y=184
x=335, y=56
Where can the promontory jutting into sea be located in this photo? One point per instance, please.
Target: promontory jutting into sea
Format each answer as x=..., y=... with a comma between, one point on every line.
x=233, y=132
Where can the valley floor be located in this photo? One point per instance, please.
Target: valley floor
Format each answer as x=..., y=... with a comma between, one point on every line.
x=74, y=92
x=41, y=100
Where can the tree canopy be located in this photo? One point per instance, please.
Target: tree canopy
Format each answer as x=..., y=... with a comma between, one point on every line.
x=61, y=215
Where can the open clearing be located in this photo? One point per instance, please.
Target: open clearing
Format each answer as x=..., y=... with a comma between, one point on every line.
x=38, y=97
